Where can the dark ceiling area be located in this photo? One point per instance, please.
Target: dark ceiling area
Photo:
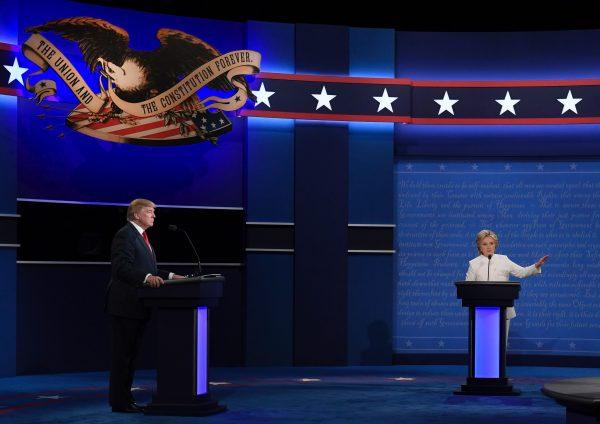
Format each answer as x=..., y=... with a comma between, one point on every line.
x=509, y=15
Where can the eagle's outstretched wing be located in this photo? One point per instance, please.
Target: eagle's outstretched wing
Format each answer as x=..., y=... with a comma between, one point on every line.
x=96, y=38
x=181, y=53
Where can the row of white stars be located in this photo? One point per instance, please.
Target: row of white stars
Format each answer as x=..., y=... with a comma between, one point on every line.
x=324, y=99
x=508, y=104
x=507, y=167
x=385, y=100
x=446, y=103
x=441, y=343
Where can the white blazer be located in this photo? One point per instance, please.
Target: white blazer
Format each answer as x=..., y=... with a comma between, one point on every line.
x=500, y=270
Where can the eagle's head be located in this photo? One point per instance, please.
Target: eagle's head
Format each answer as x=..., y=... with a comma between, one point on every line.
x=130, y=76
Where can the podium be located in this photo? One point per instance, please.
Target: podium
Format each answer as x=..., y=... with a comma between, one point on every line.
x=487, y=302
x=182, y=370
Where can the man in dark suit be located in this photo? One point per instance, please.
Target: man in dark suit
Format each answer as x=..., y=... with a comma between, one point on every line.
x=133, y=264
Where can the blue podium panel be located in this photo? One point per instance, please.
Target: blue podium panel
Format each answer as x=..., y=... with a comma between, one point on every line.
x=487, y=342
x=201, y=350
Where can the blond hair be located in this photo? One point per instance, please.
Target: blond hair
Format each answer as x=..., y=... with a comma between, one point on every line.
x=136, y=206
x=483, y=234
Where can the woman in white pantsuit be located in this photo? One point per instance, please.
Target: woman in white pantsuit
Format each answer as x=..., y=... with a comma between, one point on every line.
x=491, y=267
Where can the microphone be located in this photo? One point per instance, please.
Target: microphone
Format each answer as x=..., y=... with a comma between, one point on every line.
x=178, y=229
x=489, y=262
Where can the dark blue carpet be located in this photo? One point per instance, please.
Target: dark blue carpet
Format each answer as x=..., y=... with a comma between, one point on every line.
x=400, y=394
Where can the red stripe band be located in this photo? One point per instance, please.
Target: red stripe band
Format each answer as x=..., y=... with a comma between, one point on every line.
x=324, y=116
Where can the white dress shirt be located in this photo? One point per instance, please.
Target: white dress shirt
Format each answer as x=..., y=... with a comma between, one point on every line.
x=141, y=231
x=500, y=270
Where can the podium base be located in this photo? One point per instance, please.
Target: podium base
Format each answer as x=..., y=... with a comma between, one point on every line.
x=487, y=387
x=201, y=407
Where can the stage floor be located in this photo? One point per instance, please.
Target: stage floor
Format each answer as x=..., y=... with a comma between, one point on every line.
x=398, y=394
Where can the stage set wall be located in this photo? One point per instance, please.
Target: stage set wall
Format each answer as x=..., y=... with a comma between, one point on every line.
x=310, y=195
x=306, y=300
x=316, y=300
x=535, y=185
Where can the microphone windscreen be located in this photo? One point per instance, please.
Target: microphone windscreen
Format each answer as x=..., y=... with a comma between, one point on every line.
x=490, y=257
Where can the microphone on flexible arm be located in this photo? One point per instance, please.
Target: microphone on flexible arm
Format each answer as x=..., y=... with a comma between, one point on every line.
x=489, y=262
x=178, y=229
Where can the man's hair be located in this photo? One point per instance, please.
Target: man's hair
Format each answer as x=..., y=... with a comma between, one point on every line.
x=136, y=205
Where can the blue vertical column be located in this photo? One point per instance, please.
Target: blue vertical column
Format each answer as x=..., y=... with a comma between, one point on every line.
x=321, y=210
x=201, y=350
x=8, y=195
x=487, y=342
x=370, y=193
x=270, y=199
x=8, y=250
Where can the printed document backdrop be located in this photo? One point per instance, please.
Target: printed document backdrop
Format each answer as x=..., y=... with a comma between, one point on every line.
x=536, y=208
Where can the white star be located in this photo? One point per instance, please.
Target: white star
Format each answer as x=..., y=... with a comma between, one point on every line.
x=445, y=104
x=539, y=345
x=572, y=345
x=409, y=166
x=569, y=103
x=16, y=72
x=324, y=99
x=540, y=167
x=442, y=167
x=204, y=120
x=55, y=397
x=573, y=166
x=385, y=101
x=508, y=104
x=262, y=95
x=441, y=343
x=408, y=343
x=475, y=167
x=507, y=167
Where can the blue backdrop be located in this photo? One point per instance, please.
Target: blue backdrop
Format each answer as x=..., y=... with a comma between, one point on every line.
x=536, y=208
x=528, y=183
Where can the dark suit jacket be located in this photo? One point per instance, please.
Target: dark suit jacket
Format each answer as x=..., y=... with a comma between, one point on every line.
x=131, y=261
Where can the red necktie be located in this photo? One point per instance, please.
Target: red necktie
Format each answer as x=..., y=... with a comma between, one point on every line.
x=145, y=236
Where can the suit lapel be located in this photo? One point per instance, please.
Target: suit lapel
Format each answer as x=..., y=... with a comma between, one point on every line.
x=140, y=240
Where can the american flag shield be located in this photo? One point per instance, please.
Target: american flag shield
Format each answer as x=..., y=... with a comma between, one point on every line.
x=176, y=126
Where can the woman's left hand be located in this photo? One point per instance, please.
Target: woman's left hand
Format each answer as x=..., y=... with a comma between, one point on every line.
x=541, y=262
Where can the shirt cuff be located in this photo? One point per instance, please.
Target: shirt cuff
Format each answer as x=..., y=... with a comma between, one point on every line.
x=171, y=274
x=146, y=279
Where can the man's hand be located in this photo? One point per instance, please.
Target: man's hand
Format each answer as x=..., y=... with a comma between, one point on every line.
x=155, y=281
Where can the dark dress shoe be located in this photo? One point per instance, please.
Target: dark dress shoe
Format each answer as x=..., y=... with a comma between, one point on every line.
x=131, y=409
x=137, y=406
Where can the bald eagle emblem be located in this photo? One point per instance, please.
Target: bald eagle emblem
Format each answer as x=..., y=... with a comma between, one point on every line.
x=146, y=97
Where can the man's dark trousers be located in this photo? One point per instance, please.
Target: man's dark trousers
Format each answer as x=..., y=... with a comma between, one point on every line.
x=126, y=343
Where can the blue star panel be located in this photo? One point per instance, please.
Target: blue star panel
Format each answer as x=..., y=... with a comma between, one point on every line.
x=429, y=102
x=8, y=53
x=353, y=101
